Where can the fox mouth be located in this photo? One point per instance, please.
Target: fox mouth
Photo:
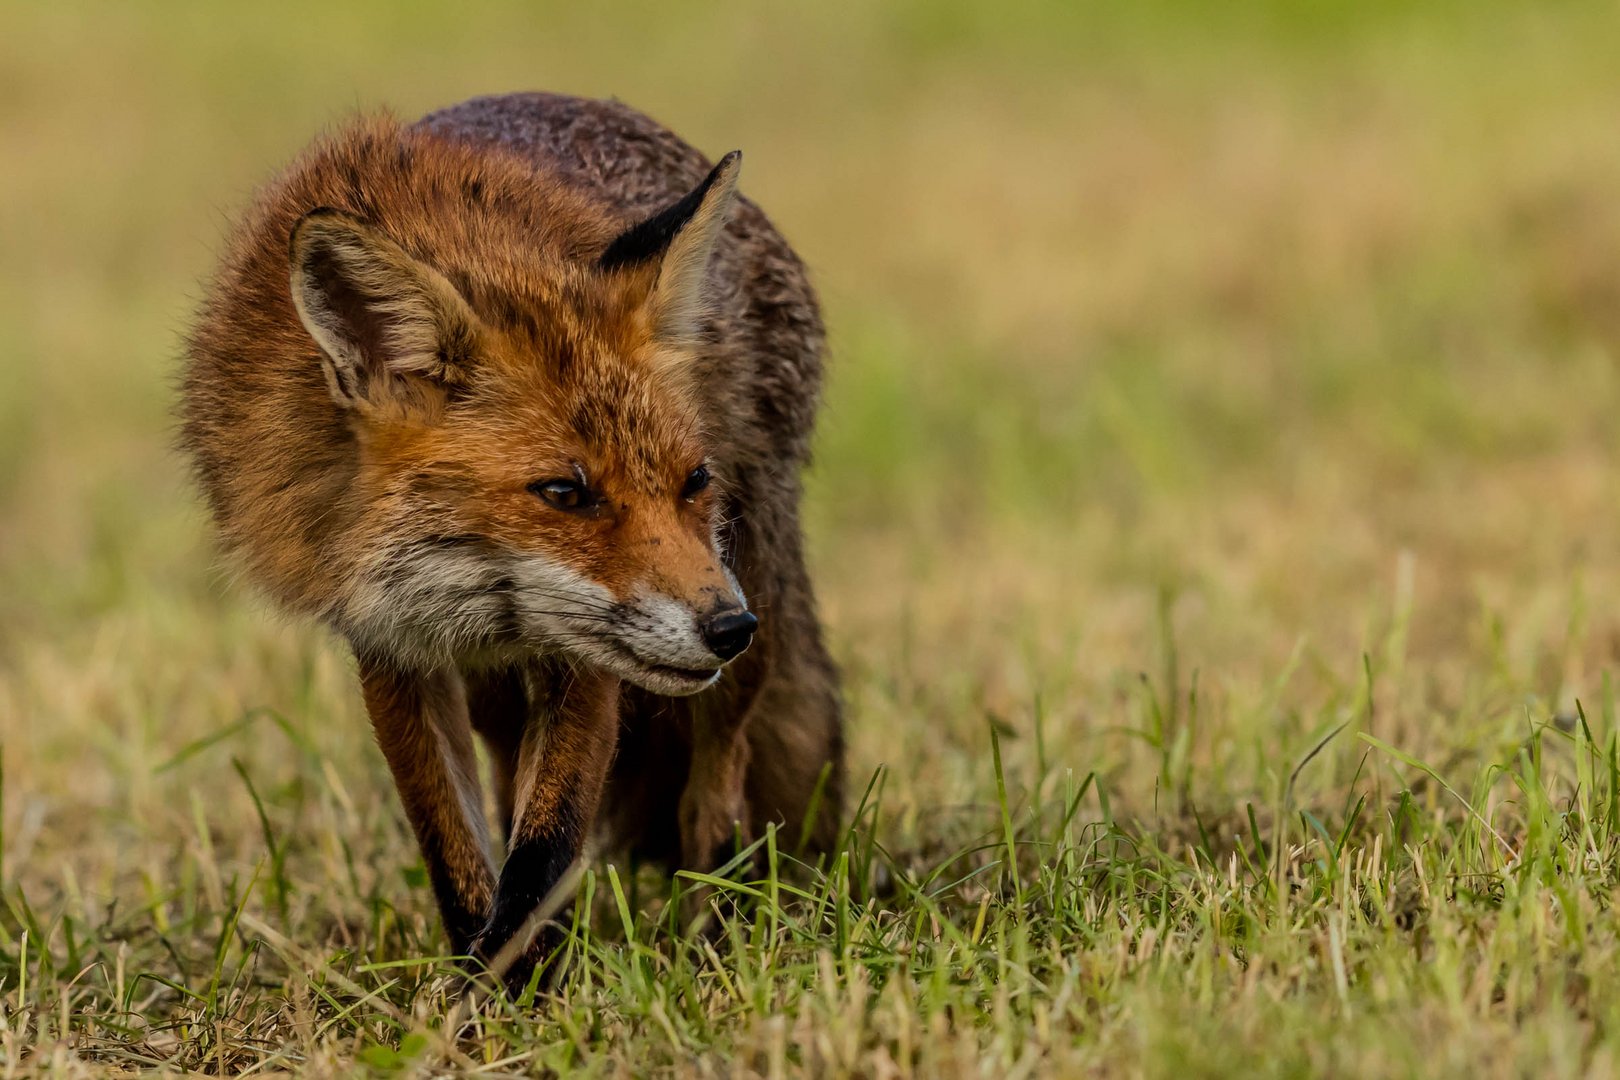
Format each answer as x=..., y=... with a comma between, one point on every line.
x=666, y=679
x=659, y=678
x=690, y=674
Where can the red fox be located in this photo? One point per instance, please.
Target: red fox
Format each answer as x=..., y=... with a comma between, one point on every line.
x=516, y=399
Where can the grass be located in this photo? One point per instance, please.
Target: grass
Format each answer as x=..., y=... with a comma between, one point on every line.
x=1213, y=515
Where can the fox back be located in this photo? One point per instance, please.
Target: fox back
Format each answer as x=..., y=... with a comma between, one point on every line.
x=478, y=386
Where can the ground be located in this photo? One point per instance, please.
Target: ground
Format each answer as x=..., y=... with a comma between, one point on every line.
x=1214, y=516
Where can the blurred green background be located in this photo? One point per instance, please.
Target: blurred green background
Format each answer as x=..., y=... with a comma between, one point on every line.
x=1241, y=305
x=1230, y=343
x=1247, y=306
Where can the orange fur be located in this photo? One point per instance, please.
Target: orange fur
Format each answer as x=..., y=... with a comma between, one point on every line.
x=446, y=395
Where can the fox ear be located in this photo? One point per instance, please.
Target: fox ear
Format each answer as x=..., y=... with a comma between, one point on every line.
x=393, y=332
x=680, y=238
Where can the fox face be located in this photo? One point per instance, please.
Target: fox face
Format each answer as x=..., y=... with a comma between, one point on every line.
x=533, y=470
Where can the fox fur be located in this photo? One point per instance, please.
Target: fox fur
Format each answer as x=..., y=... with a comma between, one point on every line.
x=515, y=399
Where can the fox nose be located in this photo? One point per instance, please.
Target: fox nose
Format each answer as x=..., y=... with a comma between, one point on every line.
x=728, y=633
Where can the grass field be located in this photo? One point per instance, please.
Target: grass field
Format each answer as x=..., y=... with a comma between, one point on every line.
x=1215, y=517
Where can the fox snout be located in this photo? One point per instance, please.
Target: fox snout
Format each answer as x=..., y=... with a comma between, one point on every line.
x=728, y=633
x=671, y=646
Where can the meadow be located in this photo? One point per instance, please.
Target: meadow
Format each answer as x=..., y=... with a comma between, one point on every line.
x=1215, y=515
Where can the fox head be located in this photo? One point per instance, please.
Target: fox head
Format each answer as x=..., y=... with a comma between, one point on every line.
x=533, y=470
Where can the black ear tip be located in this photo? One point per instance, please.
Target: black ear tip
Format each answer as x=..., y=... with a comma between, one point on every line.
x=652, y=236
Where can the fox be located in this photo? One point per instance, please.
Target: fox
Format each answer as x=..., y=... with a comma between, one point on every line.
x=516, y=400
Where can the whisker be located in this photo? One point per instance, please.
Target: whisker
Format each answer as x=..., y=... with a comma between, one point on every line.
x=582, y=615
x=572, y=598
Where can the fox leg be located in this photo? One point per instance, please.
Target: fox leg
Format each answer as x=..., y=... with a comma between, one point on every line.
x=713, y=807
x=768, y=749
x=712, y=814
x=562, y=765
x=498, y=703
x=420, y=720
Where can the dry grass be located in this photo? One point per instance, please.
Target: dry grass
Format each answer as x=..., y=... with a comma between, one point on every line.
x=1214, y=516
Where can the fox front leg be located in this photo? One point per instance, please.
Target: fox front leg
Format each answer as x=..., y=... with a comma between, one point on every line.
x=421, y=724
x=713, y=812
x=498, y=700
x=561, y=767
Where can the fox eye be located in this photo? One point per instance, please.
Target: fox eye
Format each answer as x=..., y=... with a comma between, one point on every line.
x=564, y=494
x=696, y=481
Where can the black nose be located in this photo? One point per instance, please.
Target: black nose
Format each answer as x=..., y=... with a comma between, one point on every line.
x=729, y=632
